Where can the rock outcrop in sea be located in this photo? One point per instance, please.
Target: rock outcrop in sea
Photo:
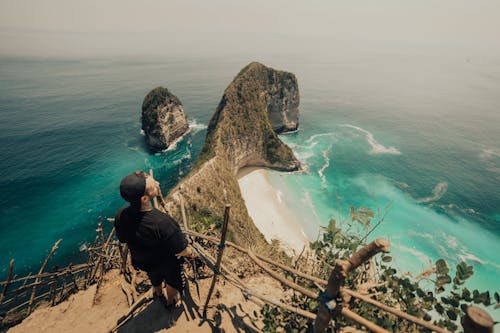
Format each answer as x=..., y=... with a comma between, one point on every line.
x=163, y=118
x=240, y=134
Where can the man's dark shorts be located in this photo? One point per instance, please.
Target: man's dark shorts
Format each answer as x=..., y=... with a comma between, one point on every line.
x=172, y=275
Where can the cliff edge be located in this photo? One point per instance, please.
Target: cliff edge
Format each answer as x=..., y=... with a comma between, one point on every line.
x=241, y=134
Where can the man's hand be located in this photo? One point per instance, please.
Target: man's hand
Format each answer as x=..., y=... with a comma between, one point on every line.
x=187, y=253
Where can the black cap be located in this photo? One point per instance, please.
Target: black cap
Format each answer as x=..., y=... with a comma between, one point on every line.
x=133, y=186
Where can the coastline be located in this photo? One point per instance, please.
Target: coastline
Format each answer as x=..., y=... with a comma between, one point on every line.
x=269, y=213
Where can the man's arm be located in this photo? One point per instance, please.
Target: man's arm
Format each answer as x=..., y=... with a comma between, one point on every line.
x=187, y=253
x=177, y=242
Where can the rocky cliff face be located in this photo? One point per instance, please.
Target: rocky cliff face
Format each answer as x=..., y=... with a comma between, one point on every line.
x=163, y=118
x=240, y=134
x=283, y=101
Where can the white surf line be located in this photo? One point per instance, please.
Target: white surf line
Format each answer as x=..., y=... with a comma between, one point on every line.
x=195, y=126
x=437, y=193
x=377, y=147
x=325, y=165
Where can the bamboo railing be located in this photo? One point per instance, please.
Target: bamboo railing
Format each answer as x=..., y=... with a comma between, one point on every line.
x=475, y=316
x=21, y=295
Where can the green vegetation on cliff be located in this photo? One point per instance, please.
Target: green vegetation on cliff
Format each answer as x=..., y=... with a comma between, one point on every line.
x=438, y=295
x=241, y=121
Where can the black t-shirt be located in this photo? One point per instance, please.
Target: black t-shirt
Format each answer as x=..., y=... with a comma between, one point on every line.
x=153, y=237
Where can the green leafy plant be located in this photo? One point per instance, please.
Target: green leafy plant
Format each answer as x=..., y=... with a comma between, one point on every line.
x=441, y=299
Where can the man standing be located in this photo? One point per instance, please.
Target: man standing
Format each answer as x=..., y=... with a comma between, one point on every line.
x=154, y=238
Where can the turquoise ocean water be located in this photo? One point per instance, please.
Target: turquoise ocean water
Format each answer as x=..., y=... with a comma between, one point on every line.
x=417, y=132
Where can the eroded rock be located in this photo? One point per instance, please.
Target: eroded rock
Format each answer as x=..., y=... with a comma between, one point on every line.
x=164, y=121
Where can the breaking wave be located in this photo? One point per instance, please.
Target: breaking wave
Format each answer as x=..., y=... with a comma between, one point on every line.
x=323, y=168
x=315, y=136
x=438, y=191
x=377, y=147
x=195, y=126
x=470, y=257
x=422, y=257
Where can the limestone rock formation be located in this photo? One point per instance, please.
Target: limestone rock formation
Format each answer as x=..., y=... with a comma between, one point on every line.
x=163, y=118
x=283, y=101
x=240, y=134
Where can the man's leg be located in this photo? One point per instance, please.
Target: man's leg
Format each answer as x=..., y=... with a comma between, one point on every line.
x=172, y=294
x=158, y=290
x=156, y=279
x=174, y=283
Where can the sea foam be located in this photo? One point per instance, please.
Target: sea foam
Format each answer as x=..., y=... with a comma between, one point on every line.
x=377, y=147
x=437, y=193
x=325, y=165
x=195, y=126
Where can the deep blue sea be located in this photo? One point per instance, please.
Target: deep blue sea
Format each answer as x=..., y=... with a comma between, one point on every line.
x=416, y=132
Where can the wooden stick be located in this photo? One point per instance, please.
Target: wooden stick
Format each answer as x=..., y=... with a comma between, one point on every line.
x=27, y=302
x=32, y=298
x=313, y=295
x=360, y=320
x=71, y=276
x=338, y=274
x=247, y=291
x=9, y=277
x=89, y=259
x=100, y=260
x=395, y=312
x=319, y=281
x=53, y=287
x=183, y=212
x=24, y=283
x=222, y=244
x=155, y=200
x=304, y=291
x=99, y=230
x=295, y=265
x=267, y=260
x=477, y=320
x=75, y=269
x=282, y=279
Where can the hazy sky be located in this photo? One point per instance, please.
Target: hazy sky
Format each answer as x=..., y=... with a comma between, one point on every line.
x=220, y=27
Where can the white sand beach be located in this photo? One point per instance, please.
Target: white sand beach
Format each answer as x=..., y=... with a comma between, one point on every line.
x=268, y=211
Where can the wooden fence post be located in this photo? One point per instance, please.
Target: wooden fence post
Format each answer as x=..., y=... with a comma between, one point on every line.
x=338, y=274
x=222, y=244
x=32, y=298
x=53, y=286
x=183, y=212
x=9, y=276
x=100, y=260
x=477, y=320
x=155, y=200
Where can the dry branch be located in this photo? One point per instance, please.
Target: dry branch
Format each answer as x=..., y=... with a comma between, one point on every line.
x=338, y=274
x=32, y=298
x=9, y=277
x=222, y=244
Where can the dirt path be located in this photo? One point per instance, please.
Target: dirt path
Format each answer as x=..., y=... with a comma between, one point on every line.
x=228, y=310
